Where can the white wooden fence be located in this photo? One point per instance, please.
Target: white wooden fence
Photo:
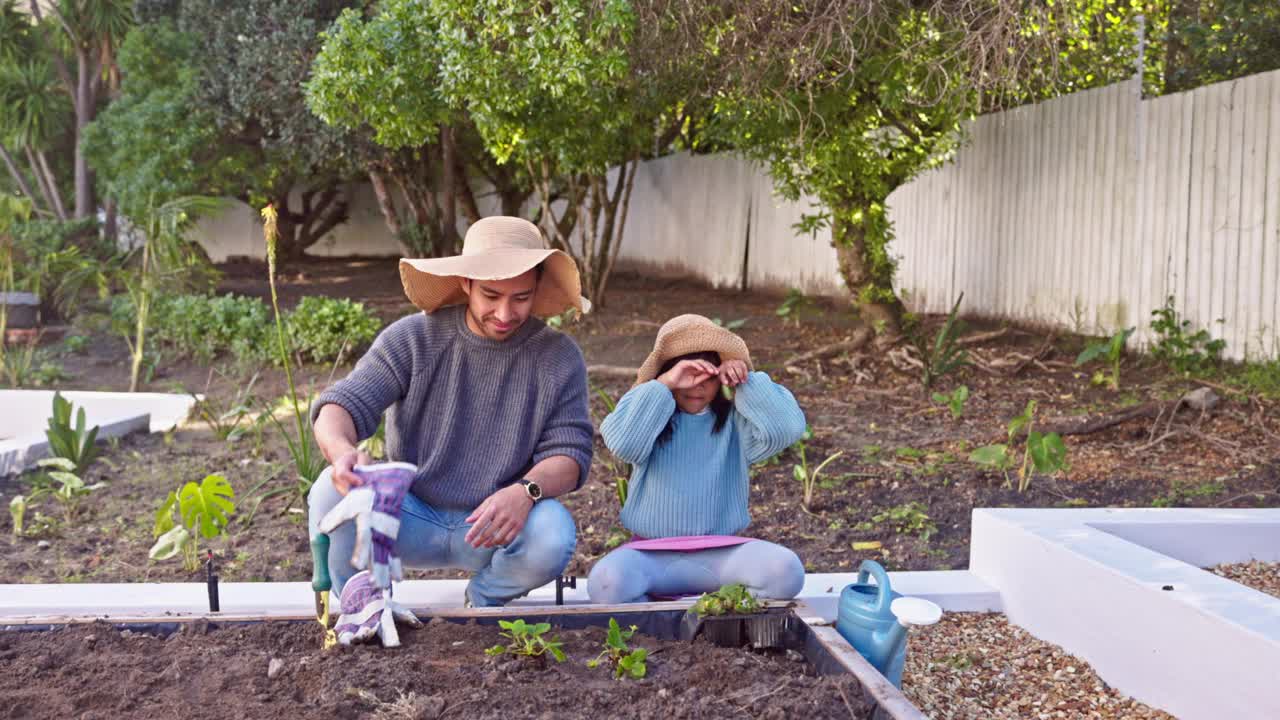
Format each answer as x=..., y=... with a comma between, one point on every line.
x=1087, y=211
x=1083, y=212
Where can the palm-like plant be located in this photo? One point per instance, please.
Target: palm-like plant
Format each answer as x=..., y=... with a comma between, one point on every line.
x=164, y=257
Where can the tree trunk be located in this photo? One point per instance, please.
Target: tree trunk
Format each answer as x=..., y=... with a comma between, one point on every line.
x=872, y=287
x=47, y=183
x=17, y=178
x=449, y=203
x=321, y=211
x=84, y=114
x=387, y=204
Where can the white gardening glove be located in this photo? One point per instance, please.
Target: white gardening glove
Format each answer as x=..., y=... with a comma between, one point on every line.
x=375, y=507
x=368, y=612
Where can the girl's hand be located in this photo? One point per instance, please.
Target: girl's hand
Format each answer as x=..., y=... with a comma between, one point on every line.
x=687, y=374
x=733, y=373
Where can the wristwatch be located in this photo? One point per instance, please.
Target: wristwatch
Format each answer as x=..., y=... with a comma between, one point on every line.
x=532, y=489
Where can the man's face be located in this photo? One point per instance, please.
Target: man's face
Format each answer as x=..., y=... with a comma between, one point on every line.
x=497, y=308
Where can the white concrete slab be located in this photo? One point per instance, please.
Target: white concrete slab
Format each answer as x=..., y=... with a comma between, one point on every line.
x=1151, y=624
x=956, y=590
x=24, y=415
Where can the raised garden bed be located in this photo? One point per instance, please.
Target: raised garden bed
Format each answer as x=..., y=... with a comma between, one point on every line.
x=1261, y=576
x=204, y=670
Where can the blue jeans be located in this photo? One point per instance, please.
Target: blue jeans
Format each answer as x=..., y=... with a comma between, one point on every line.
x=433, y=538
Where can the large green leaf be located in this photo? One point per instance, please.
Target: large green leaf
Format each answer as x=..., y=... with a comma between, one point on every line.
x=1048, y=452
x=164, y=516
x=996, y=456
x=207, y=505
x=170, y=544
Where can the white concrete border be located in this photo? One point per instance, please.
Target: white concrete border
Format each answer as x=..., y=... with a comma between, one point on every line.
x=1093, y=582
x=954, y=590
x=26, y=413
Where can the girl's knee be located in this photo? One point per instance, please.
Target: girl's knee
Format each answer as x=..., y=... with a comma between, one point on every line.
x=611, y=581
x=774, y=572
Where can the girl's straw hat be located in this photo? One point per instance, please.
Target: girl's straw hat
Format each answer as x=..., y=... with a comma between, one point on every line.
x=686, y=334
x=496, y=248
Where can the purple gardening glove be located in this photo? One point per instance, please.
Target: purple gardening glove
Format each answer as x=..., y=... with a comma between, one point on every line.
x=375, y=507
x=368, y=612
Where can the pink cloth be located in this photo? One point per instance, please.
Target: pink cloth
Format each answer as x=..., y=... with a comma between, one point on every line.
x=687, y=543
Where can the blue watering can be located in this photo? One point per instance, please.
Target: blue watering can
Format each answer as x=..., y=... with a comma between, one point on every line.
x=874, y=619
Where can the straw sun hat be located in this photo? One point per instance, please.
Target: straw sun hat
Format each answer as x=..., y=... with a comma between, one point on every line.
x=686, y=334
x=496, y=248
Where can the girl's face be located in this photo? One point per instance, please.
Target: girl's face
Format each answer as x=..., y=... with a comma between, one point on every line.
x=696, y=399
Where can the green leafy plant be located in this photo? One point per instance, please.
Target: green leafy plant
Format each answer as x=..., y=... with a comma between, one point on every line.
x=203, y=510
x=234, y=419
x=618, y=470
x=807, y=478
x=307, y=460
x=626, y=662
x=792, y=305
x=1178, y=346
x=1112, y=350
x=1043, y=453
x=325, y=329
x=74, y=444
x=18, y=512
x=733, y=599
x=527, y=640
x=75, y=344
x=954, y=400
x=909, y=518
x=944, y=355
x=729, y=324
x=69, y=489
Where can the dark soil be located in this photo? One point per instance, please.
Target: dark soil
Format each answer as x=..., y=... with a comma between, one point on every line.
x=903, y=480
x=95, y=671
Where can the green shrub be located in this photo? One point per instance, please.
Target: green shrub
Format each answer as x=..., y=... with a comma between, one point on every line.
x=1178, y=346
x=323, y=327
x=204, y=327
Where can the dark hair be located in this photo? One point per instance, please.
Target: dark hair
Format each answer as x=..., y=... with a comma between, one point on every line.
x=720, y=405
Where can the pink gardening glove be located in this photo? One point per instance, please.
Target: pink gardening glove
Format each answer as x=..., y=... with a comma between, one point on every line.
x=368, y=612
x=375, y=507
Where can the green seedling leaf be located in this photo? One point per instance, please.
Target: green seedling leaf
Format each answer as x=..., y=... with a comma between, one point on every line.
x=57, y=463
x=207, y=505
x=1091, y=353
x=170, y=544
x=633, y=664
x=164, y=516
x=18, y=511
x=996, y=456
x=1048, y=452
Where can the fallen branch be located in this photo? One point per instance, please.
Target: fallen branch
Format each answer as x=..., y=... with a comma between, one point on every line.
x=613, y=371
x=979, y=338
x=859, y=339
x=1045, y=349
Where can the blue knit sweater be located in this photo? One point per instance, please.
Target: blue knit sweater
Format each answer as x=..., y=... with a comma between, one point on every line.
x=697, y=482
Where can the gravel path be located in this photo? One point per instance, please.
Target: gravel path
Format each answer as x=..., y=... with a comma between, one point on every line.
x=974, y=665
x=1264, y=577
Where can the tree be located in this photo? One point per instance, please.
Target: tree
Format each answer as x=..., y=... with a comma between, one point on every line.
x=1215, y=40
x=577, y=108
x=89, y=32
x=212, y=103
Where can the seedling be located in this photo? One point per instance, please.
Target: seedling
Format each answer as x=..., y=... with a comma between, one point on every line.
x=1113, y=351
x=954, y=400
x=70, y=487
x=234, y=422
x=732, y=599
x=909, y=518
x=626, y=662
x=18, y=511
x=74, y=444
x=809, y=480
x=527, y=640
x=204, y=509
x=792, y=305
x=944, y=355
x=1043, y=453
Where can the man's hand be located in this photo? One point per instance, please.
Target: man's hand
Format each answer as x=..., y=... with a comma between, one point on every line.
x=500, y=518
x=344, y=477
x=688, y=373
x=733, y=372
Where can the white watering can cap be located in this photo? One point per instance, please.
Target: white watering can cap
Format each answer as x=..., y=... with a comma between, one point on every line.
x=915, y=611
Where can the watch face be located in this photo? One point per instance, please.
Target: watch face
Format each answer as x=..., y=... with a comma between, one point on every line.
x=533, y=489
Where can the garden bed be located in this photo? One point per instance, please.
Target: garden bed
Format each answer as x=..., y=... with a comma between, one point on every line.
x=974, y=665
x=1261, y=576
x=903, y=490
x=199, y=670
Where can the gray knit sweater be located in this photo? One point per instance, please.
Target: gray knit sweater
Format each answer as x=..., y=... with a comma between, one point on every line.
x=473, y=414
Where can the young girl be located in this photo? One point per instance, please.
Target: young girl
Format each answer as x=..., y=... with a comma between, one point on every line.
x=690, y=447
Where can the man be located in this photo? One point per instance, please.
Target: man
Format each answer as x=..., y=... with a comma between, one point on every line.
x=487, y=401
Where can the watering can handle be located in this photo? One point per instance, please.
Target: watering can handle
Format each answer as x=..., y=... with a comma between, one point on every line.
x=876, y=570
